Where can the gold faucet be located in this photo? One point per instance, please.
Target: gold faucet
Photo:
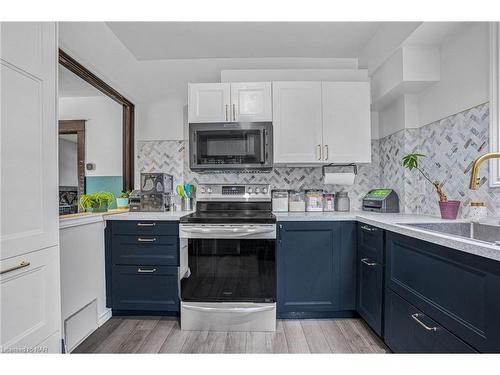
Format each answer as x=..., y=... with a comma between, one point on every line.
x=477, y=164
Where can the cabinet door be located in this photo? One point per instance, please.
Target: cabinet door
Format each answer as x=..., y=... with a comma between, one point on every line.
x=370, y=287
x=28, y=161
x=251, y=101
x=308, y=267
x=297, y=123
x=30, y=303
x=346, y=122
x=209, y=102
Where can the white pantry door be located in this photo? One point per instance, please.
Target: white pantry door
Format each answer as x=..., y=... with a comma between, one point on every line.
x=209, y=102
x=29, y=235
x=251, y=101
x=297, y=122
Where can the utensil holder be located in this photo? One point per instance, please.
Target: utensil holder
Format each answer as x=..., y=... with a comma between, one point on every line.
x=187, y=204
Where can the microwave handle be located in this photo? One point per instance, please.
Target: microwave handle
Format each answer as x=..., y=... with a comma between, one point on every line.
x=263, y=142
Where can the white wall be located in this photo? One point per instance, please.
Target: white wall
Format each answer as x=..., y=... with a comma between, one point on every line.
x=464, y=79
x=464, y=83
x=68, y=163
x=103, y=131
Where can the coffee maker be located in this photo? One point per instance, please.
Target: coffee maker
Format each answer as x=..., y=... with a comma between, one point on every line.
x=156, y=192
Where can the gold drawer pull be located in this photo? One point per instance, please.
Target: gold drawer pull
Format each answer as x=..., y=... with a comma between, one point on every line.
x=23, y=264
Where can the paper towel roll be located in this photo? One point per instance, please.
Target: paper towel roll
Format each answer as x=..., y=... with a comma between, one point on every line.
x=339, y=178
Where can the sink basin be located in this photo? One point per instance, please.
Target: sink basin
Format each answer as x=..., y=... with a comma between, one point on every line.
x=474, y=231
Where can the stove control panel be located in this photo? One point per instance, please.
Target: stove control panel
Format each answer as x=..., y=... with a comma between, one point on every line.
x=233, y=192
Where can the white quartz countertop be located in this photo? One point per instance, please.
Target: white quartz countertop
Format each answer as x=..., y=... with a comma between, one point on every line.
x=166, y=216
x=392, y=222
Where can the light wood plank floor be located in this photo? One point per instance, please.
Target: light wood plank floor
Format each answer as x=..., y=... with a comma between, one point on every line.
x=163, y=335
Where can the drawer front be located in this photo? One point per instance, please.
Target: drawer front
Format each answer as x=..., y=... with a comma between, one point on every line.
x=371, y=242
x=145, y=227
x=459, y=290
x=370, y=292
x=408, y=330
x=145, y=288
x=145, y=250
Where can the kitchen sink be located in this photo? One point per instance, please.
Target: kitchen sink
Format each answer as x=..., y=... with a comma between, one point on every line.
x=474, y=231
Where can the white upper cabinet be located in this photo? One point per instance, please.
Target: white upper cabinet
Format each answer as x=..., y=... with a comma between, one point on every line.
x=346, y=122
x=297, y=122
x=209, y=102
x=230, y=102
x=251, y=101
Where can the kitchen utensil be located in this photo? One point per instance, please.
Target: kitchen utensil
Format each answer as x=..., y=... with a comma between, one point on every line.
x=180, y=191
x=187, y=190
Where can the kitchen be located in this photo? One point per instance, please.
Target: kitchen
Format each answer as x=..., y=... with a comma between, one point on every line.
x=289, y=194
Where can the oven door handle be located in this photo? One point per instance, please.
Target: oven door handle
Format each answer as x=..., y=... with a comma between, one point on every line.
x=228, y=309
x=232, y=231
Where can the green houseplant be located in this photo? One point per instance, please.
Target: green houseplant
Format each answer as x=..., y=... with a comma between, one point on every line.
x=448, y=208
x=122, y=200
x=96, y=202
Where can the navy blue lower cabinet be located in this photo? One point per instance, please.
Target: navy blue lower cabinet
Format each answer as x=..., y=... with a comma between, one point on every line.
x=370, y=272
x=408, y=330
x=459, y=292
x=316, y=269
x=142, y=267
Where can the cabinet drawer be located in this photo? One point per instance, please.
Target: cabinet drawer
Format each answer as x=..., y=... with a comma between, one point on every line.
x=371, y=242
x=408, y=330
x=459, y=290
x=160, y=228
x=145, y=288
x=370, y=291
x=145, y=250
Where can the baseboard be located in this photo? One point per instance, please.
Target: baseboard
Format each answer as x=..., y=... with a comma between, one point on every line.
x=104, y=317
x=316, y=314
x=145, y=313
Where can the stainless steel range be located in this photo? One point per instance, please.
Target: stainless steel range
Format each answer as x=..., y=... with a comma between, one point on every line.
x=231, y=280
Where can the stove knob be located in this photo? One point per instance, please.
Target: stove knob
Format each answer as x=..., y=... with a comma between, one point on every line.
x=257, y=190
x=203, y=190
x=264, y=190
x=209, y=190
x=250, y=190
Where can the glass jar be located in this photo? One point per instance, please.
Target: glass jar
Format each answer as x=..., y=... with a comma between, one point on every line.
x=328, y=202
x=296, y=201
x=314, y=200
x=280, y=200
x=342, y=201
x=478, y=211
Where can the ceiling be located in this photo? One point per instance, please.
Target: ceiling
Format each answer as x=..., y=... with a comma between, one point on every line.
x=195, y=40
x=70, y=85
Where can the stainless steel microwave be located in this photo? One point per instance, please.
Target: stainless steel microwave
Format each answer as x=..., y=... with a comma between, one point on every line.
x=231, y=146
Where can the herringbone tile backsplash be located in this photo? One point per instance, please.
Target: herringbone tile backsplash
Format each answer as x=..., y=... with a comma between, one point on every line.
x=451, y=145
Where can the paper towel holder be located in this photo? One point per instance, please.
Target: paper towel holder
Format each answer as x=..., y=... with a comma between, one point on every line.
x=354, y=167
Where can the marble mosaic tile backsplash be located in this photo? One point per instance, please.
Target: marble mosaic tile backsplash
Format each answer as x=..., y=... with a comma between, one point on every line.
x=451, y=145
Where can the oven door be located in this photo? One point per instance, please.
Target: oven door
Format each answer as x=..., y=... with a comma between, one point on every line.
x=230, y=263
x=230, y=146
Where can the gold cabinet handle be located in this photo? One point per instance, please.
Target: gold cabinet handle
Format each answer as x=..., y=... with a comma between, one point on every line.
x=23, y=264
x=227, y=112
x=234, y=112
x=325, y=151
x=318, y=152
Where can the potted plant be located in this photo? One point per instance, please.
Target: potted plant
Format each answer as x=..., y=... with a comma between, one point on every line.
x=96, y=202
x=448, y=208
x=122, y=200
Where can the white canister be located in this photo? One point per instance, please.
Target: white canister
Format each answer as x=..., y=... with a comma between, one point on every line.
x=478, y=211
